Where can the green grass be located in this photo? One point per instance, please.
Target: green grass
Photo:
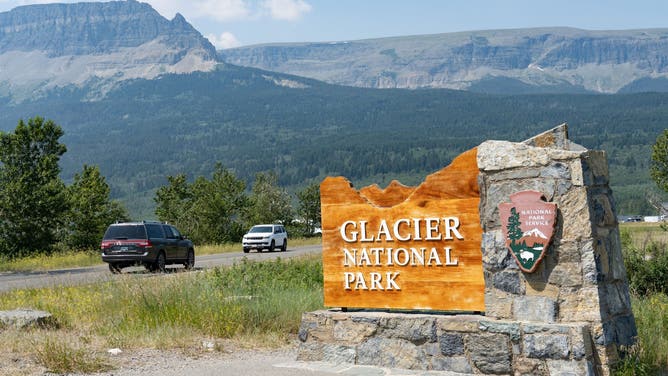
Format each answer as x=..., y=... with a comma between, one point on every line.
x=645, y=247
x=649, y=356
x=642, y=234
x=261, y=303
x=72, y=259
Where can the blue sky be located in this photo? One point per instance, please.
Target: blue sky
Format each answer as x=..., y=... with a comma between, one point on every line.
x=229, y=23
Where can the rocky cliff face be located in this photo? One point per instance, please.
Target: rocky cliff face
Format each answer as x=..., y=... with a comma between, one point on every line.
x=55, y=45
x=524, y=60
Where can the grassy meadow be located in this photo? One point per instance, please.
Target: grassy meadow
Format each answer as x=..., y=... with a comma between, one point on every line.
x=255, y=304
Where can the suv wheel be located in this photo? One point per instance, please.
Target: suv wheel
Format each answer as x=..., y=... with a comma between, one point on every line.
x=160, y=263
x=114, y=269
x=272, y=246
x=246, y=250
x=284, y=247
x=190, y=261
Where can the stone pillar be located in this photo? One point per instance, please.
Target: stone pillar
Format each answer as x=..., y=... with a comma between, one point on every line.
x=582, y=279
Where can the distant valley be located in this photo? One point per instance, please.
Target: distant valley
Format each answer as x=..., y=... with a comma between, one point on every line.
x=144, y=97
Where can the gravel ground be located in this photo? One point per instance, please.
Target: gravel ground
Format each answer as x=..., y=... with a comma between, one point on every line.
x=279, y=362
x=151, y=362
x=240, y=362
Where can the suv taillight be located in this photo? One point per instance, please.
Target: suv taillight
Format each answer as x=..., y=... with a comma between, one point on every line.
x=145, y=244
x=106, y=245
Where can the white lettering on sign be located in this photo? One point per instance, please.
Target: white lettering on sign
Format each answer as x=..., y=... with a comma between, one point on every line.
x=433, y=229
x=358, y=281
x=400, y=256
x=401, y=230
x=537, y=217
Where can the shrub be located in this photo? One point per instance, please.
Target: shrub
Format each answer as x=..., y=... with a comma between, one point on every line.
x=647, y=268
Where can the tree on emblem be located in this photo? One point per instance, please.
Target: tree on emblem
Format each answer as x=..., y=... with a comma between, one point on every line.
x=514, y=230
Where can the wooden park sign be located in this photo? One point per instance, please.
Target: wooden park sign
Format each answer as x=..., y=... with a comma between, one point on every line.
x=415, y=248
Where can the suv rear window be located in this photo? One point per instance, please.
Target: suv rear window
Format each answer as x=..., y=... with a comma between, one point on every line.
x=125, y=232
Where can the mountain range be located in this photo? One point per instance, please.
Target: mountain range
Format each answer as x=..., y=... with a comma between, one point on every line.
x=541, y=60
x=143, y=97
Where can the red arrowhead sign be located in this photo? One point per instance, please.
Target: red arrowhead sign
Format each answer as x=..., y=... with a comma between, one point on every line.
x=528, y=225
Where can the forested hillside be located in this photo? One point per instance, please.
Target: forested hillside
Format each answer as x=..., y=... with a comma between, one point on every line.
x=252, y=120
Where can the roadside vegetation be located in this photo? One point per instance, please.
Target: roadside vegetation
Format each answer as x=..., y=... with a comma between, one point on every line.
x=645, y=249
x=46, y=220
x=251, y=303
x=78, y=259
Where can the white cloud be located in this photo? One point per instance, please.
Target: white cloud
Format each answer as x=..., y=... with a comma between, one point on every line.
x=288, y=10
x=222, y=10
x=219, y=10
x=224, y=40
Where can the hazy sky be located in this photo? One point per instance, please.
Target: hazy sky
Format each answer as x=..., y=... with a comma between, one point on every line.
x=229, y=23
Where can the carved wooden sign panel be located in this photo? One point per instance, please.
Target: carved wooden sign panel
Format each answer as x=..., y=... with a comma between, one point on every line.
x=405, y=247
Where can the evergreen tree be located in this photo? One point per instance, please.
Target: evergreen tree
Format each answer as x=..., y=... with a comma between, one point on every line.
x=309, y=207
x=268, y=202
x=514, y=229
x=90, y=209
x=174, y=201
x=659, y=167
x=32, y=195
x=217, y=208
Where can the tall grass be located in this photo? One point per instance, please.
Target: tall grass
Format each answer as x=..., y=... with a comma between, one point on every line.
x=649, y=356
x=646, y=259
x=260, y=302
x=58, y=260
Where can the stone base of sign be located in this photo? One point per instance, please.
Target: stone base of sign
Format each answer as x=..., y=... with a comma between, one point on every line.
x=466, y=344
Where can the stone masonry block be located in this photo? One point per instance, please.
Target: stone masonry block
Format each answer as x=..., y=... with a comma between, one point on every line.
x=575, y=211
x=595, y=168
x=352, y=332
x=512, y=329
x=490, y=353
x=579, y=304
x=570, y=368
x=535, y=308
x=546, y=346
x=459, y=364
x=451, y=344
x=416, y=331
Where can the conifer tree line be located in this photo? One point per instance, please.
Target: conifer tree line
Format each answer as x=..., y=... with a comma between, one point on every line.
x=39, y=213
x=218, y=210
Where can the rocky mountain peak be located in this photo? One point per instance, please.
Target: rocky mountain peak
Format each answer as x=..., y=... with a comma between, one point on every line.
x=50, y=45
x=88, y=28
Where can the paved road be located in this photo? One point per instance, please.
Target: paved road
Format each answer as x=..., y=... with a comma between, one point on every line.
x=11, y=280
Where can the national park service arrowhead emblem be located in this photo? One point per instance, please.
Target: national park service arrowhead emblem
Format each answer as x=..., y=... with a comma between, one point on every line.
x=528, y=225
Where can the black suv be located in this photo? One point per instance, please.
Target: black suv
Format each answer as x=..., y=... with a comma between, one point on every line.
x=148, y=243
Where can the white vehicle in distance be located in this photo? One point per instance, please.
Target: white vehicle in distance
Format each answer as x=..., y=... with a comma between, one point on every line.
x=266, y=237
